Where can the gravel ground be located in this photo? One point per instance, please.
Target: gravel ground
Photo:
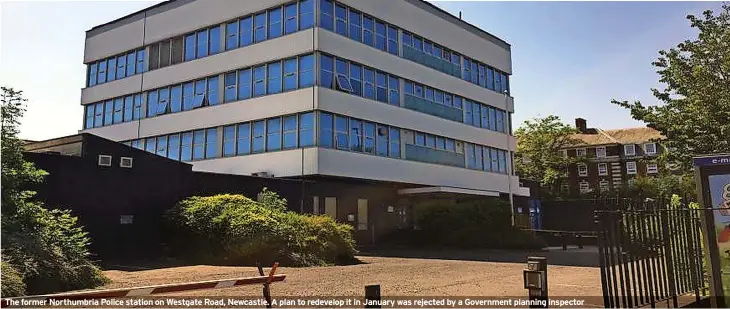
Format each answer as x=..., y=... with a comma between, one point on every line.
x=473, y=275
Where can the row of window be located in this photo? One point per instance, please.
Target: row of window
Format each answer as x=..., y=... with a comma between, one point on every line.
x=629, y=150
x=347, y=133
x=270, y=78
x=117, y=110
x=366, y=29
x=253, y=28
x=357, y=79
x=358, y=26
x=631, y=169
x=485, y=158
x=117, y=67
x=273, y=134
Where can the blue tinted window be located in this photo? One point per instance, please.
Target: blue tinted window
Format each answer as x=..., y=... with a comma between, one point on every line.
x=274, y=76
x=382, y=83
x=430, y=141
x=131, y=63
x=101, y=74
x=470, y=158
x=380, y=36
x=408, y=88
x=275, y=24
x=341, y=66
x=229, y=141
x=476, y=114
x=436, y=51
x=429, y=94
x=161, y=146
x=259, y=81
x=457, y=101
x=290, y=18
x=306, y=130
x=417, y=43
x=306, y=14
x=440, y=143
x=394, y=90
x=394, y=137
x=485, y=116
x=89, y=123
x=202, y=43
x=369, y=78
x=128, y=108
x=245, y=27
x=273, y=134
x=232, y=35
x=474, y=72
x=137, y=144
x=393, y=40
x=368, y=27
x=199, y=98
x=215, y=40
x=188, y=96
x=111, y=71
x=244, y=84
x=468, y=109
x=306, y=71
x=290, y=74
x=486, y=158
x=368, y=144
x=150, y=144
x=173, y=147
x=418, y=90
x=326, y=16
x=243, y=143
x=427, y=47
x=211, y=143
x=497, y=81
x=355, y=26
x=493, y=155
x=92, y=74
x=492, y=117
x=152, y=101
x=382, y=140
x=213, y=98
x=259, y=136
x=450, y=145
x=341, y=19
x=502, y=157
x=141, y=67
x=341, y=132
x=259, y=31
x=290, y=132
x=356, y=78
x=138, y=107
x=407, y=39
x=479, y=164
x=355, y=135
x=482, y=75
x=500, y=121
x=325, y=130
x=176, y=99
x=229, y=92
x=186, y=148
x=438, y=96
x=164, y=96
x=121, y=66
x=199, y=145
x=189, y=47
x=118, y=110
x=99, y=115
x=326, y=71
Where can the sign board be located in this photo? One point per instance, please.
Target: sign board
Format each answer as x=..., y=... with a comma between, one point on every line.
x=713, y=178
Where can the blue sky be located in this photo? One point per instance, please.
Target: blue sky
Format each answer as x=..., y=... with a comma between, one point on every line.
x=569, y=58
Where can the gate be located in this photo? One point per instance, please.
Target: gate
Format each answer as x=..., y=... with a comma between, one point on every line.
x=650, y=252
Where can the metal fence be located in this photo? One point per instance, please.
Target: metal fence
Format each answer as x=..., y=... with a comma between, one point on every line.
x=650, y=251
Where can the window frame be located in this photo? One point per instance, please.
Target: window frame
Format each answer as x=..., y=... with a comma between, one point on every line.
x=631, y=168
x=630, y=153
x=602, y=169
x=582, y=170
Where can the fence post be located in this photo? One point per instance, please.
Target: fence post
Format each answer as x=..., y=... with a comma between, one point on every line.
x=668, y=254
x=266, y=291
x=372, y=292
x=579, y=240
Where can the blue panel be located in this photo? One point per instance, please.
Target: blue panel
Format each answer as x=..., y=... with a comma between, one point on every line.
x=438, y=110
x=429, y=155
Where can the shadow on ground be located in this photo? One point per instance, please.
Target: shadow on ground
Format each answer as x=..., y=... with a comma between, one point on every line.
x=586, y=257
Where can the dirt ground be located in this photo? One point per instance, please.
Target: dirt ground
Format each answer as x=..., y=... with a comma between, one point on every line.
x=462, y=273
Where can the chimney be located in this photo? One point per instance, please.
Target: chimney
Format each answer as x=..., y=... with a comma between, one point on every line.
x=581, y=125
x=459, y=14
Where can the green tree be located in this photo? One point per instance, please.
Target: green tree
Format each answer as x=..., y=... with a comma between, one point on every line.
x=538, y=156
x=694, y=109
x=43, y=250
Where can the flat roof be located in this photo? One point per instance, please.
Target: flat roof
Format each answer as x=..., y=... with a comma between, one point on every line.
x=171, y=4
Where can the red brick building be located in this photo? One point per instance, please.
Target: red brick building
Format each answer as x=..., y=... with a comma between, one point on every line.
x=614, y=157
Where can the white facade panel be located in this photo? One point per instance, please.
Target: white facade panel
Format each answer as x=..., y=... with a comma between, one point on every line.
x=111, y=89
x=118, y=132
x=338, y=45
x=199, y=14
x=358, y=107
x=116, y=41
x=438, y=30
x=357, y=165
x=286, y=163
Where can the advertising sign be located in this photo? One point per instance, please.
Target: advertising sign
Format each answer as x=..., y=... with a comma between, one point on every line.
x=719, y=186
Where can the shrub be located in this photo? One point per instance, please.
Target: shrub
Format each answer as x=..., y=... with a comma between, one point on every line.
x=235, y=230
x=482, y=224
x=12, y=281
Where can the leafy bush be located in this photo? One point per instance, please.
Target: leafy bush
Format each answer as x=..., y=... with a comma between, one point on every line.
x=12, y=281
x=467, y=225
x=235, y=230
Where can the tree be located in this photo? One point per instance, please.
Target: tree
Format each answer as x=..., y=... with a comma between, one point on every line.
x=538, y=156
x=694, y=109
x=43, y=250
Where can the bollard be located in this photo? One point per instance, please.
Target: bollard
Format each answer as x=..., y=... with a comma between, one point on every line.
x=372, y=292
x=580, y=241
x=536, y=283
